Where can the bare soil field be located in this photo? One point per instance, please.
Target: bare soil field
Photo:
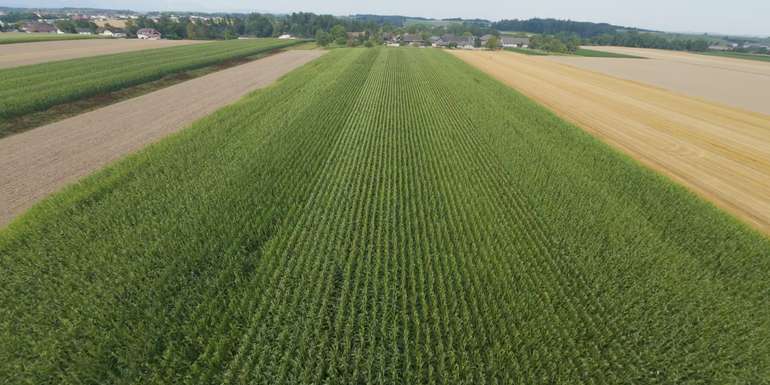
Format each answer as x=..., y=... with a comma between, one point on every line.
x=733, y=82
x=14, y=55
x=36, y=163
x=719, y=152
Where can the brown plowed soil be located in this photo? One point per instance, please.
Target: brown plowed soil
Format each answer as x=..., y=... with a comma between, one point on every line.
x=734, y=82
x=14, y=55
x=719, y=152
x=38, y=162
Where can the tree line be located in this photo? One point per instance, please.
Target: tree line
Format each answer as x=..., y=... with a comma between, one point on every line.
x=553, y=26
x=552, y=35
x=650, y=40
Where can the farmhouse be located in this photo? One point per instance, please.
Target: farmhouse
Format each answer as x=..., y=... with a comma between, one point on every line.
x=515, y=42
x=111, y=32
x=38, y=28
x=484, y=39
x=148, y=34
x=412, y=39
x=356, y=35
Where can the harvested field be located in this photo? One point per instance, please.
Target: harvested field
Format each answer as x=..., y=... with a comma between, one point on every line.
x=35, y=163
x=719, y=152
x=14, y=55
x=734, y=82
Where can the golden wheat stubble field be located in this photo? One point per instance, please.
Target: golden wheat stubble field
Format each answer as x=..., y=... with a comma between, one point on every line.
x=740, y=83
x=719, y=152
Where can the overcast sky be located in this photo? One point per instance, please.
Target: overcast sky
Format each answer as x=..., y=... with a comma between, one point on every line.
x=750, y=17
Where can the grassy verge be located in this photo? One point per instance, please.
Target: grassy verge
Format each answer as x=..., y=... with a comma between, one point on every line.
x=738, y=55
x=34, y=88
x=65, y=110
x=305, y=46
x=382, y=216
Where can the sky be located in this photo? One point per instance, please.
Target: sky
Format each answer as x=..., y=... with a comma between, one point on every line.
x=738, y=17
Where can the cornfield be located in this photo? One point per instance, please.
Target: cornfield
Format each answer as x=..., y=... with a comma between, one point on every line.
x=382, y=216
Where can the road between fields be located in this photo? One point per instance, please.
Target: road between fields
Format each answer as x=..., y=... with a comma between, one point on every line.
x=19, y=54
x=38, y=162
x=719, y=152
x=734, y=82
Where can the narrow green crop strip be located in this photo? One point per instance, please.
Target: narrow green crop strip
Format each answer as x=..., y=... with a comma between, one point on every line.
x=14, y=38
x=738, y=55
x=382, y=216
x=37, y=87
x=596, y=53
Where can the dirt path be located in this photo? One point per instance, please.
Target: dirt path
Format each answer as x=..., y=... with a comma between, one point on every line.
x=14, y=55
x=36, y=163
x=721, y=153
x=734, y=82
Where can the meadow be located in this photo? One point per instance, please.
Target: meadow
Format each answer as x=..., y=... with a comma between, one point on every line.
x=382, y=216
x=13, y=37
x=37, y=87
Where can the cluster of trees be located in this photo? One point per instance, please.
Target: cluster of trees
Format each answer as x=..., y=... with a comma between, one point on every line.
x=11, y=20
x=560, y=43
x=186, y=28
x=71, y=26
x=300, y=24
x=465, y=28
x=339, y=36
x=650, y=40
x=553, y=35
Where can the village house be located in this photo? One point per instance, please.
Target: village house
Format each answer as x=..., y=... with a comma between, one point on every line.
x=148, y=34
x=515, y=42
x=412, y=39
x=83, y=31
x=452, y=41
x=39, y=28
x=285, y=36
x=466, y=42
x=389, y=37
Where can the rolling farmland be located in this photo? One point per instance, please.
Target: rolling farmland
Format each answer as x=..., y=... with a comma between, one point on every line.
x=37, y=87
x=382, y=216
